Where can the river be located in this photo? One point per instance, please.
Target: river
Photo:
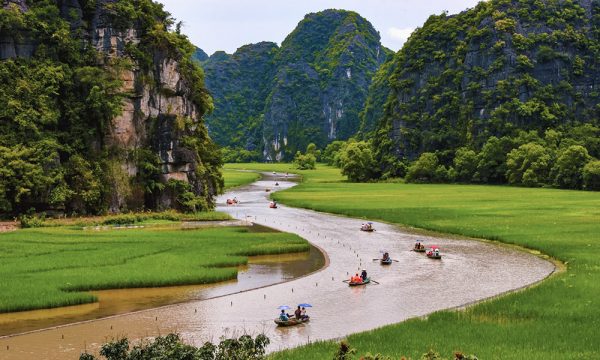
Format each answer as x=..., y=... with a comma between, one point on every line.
x=470, y=271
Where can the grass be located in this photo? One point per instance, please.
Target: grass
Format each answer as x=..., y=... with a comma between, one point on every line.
x=238, y=178
x=139, y=218
x=56, y=266
x=558, y=319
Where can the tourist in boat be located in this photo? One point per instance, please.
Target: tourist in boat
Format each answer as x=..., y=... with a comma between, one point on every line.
x=298, y=313
x=363, y=275
x=283, y=316
x=437, y=252
x=303, y=314
x=356, y=279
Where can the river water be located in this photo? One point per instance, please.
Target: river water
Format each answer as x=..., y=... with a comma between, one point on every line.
x=414, y=286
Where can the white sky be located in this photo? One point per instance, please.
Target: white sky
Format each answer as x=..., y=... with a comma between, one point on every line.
x=228, y=24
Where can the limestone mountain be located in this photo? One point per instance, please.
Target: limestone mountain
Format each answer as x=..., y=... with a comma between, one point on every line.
x=101, y=109
x=274, y=101
x=240, y=84
x=500, y=67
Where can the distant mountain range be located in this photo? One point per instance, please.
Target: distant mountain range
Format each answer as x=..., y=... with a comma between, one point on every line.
x=273, y=101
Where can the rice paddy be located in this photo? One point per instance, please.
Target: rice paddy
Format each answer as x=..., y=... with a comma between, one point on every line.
x=557, y=319
x=57, y=266
x=238, y=178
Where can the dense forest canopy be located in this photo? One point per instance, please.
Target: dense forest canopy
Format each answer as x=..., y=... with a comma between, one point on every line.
x=64, y=80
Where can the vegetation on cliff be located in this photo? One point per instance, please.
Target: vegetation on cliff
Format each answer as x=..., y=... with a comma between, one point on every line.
x=59, y=95
x=272, y=102
x=496, y=71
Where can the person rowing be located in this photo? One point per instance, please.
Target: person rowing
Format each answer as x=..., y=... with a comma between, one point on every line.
x=298, y=313
x=363, y=275
x=386, y=256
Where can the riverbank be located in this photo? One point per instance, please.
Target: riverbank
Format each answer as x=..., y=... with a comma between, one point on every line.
x=556, y=319
x=54, y=267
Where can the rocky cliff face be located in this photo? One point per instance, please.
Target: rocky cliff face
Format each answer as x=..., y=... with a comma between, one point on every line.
x=500, y=67
x=240, y=84
x=162, y=104
x=312, y=89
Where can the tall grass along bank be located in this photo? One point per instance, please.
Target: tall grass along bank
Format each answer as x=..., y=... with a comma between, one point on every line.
x=53, y=267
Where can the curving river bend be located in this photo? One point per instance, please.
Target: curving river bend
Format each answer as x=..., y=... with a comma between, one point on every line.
x=415, y=286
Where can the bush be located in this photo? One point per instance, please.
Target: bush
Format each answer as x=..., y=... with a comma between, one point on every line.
x=172, y=347
x=591, y=175
x=305, y=162
x=330, y=155
x=32, y=221
x=424, y=169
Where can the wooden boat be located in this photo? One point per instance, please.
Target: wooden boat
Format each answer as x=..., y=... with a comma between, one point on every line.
x=273, y=206
x=366, y=229
x=368, y=280
x=386, y=262
x=419, y=250
x=431, y=253
x=291, y=322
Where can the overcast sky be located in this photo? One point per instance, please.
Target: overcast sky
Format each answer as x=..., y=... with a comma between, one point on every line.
x=228, y=24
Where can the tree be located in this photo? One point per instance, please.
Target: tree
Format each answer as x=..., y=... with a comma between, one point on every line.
x=567, y=172
x=311, y=149
x=491, y=166
x=424, y=169
x=528, y=165
x=465, y=165
x=331, y=154
x=357, y=162
x=305, y=162
x=591, y=175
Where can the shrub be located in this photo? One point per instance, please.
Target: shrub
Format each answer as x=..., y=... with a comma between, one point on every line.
x=172, y=347
x=424, y=169
x=591, y=175
x=305, y=162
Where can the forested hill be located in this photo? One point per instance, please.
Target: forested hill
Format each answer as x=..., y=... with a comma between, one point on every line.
x=101, y=110
x=271, y=101
x=494, y=70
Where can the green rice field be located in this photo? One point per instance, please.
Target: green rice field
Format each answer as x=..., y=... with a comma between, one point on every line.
x=56, y=266
x=237, y=178
x=557, y=319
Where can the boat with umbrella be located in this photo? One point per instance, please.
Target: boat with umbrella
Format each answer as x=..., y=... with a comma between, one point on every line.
x=419, y=247
x=368, y=227
x=434, y=252
x=291, y=321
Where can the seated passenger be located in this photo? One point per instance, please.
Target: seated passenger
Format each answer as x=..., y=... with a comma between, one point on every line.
x=283, y=316
x=303, y=315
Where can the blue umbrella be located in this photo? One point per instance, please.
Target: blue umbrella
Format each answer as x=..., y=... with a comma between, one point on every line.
x=284, y=307
x=305, y=305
